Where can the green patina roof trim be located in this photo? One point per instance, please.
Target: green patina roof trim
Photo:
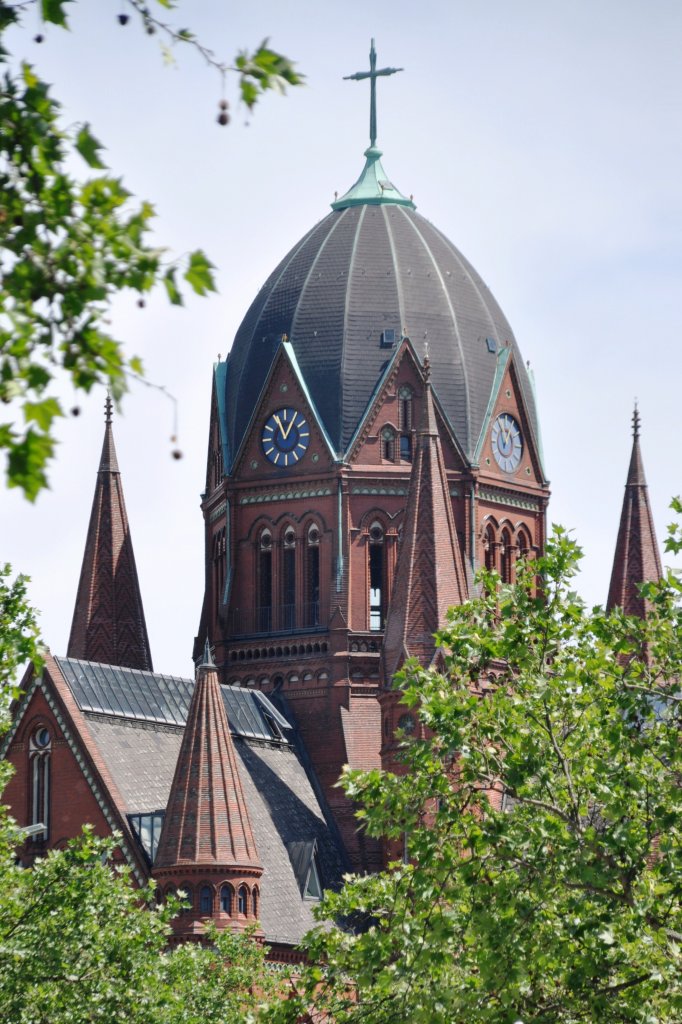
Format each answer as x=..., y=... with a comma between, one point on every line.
x=502, y=360
x=373, y=187
x=220, y=375
x=291, y=354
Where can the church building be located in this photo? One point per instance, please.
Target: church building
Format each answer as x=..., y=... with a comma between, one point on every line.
x=373, y=441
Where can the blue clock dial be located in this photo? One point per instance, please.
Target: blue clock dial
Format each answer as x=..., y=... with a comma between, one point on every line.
x=507, y=442
x=285, y=437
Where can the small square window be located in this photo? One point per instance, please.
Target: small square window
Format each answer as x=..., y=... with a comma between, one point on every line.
x=388, y=338
x=491, y=345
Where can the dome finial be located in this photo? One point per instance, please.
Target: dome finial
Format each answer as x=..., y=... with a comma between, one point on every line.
x=372, y=74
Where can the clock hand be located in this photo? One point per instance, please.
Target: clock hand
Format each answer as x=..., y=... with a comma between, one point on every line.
x=285, y=433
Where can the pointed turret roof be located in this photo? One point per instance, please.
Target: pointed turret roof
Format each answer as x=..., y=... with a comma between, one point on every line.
x=429, y=575
x=637, y=559
x=108, y=623
x=207, y=822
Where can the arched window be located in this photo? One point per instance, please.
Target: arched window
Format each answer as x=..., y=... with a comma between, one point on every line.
x=206, y=899
x=40, y=752
x=312, y=576
x=288, y=579
x=506, y=557
x=226, y=899
x=377, y=596
x=254, y=902
x=388, y=444
x=264, y=610
x=523, y=543
x=489, y=547
x=188, y=898
x=406, y=422
x=243, y=902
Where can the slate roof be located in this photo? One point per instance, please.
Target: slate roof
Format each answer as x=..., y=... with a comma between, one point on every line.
x=358, y=272
x=140, y=752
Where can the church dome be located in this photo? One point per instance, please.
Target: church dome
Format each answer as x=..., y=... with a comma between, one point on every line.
x=373, y=266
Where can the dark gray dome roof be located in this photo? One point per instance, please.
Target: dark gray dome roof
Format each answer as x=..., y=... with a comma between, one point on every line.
x=360, y=271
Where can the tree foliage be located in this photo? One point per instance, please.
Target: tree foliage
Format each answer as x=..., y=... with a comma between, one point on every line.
x=19, y=636
x=68, y=246
x=79, y=943
x=543, y=816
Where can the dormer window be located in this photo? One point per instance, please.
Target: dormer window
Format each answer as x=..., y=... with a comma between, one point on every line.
x=313, y=887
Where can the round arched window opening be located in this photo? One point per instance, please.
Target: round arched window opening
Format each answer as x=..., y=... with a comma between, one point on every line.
x=313, y=535
x=243, y=900
x=42, y=738
x=407, y=724
x=289, y=537
x=265, y=540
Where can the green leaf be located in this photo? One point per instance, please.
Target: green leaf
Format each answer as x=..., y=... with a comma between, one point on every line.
x=89, y=147
x=198, y=274
x=172, y=288
x=53, y=11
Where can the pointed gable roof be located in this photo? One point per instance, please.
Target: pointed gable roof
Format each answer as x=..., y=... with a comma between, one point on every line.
x=207, y=821
x=429, y=575
x=637, y=559
x=108, y=623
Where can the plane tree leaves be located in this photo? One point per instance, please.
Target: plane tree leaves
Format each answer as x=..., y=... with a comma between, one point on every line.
x=68, y=246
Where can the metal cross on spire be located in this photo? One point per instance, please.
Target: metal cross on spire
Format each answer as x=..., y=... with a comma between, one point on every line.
x=372, y=74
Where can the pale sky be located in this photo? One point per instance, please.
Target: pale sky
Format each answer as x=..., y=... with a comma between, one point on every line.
x=544, y=139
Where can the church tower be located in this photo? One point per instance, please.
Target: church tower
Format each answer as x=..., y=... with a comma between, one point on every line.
x=321, y=415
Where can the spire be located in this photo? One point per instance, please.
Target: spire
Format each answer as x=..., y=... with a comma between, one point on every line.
x=637, y=559
x=429, y=574
x=373, y=186
x=108, y=623
x=207, y=826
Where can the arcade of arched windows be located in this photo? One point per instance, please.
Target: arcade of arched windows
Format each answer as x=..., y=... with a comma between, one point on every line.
x=502, y=545
x=241, y=901
x=287, y=578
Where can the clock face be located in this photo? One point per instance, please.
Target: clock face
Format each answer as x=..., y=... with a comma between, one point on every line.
x=507, y=442
x=285, y=437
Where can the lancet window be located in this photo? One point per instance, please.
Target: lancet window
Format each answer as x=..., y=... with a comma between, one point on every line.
x=40, y=752
x=377, y=574
x=264, y=610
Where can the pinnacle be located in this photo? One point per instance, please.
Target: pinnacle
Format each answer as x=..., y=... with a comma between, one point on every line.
x=429, y=575
x=108, y=623
x=636, y=559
